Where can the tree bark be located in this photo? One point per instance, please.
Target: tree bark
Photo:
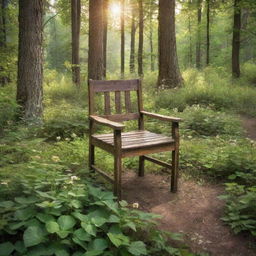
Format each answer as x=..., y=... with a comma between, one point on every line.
x=95, y=55
x=236, y=39
x=122, y=39
x=152, y=64
x=207, y=32
x=132, y=50
x=30, y=68
x=169, y=73
x=75, y=25
x=105, y=36
x=141, y=31
x=198, y=43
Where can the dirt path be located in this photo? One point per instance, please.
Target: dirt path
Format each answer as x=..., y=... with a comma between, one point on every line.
x=249, y=125
x=195, y=211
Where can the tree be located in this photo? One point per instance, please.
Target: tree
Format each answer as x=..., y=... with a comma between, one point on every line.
x=122, y=38
x=236, y=39
x=105, y=36
x=207, y=32
x=95, y=54
x=30, y=68
x=198, y=43
x=132, y=47
x=141, y=31
x=169, y=73
x=151, y=11
x=75, y=27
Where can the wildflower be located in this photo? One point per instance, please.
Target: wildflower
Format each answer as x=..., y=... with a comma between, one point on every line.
x=67, y=139
x=58, y=138
x=37, y=157
x=74, y=178
x=135, y=205
x=73, y=135
x=55, y=159
x=4, y=183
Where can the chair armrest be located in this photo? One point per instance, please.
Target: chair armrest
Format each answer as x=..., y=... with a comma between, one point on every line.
x=104, y=121
x=161, y=117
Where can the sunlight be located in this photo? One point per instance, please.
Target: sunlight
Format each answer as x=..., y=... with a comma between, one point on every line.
x=115, y=9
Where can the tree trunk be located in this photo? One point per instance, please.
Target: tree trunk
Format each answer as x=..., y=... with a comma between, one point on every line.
x=76, y=22
x=169, y=73
x=132, y=51
x=198, y=43
x=190, y=57
x=95, y=55
x=207, y=32
x=141, y=31
x=30, y=68
x=122, y=39
x=236, y=39
x=151, y=37
x=3, y=77
x=105, y=36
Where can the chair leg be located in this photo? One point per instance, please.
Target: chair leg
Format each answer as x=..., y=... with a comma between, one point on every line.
x=118, y=177
x=174, y=177
x=141, y=166
x=91, y=155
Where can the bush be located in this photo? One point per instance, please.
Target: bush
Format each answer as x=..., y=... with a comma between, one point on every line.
x=57, y=214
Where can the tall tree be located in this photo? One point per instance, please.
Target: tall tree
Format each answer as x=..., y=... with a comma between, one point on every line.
x=132, y=47
x=105, y=35
x=169, y=73
x=236, y=39
x=122, y=38
x=3, y=77
x=95, y=55
x=207, y=32
x=75, y=25
x=198, y=43
x=141, y=32
x=30, y=68
x=151, y=11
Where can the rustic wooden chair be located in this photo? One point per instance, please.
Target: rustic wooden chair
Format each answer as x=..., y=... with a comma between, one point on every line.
x=128, y=144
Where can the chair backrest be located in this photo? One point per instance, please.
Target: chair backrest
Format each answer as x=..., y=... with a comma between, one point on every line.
x=121, y=90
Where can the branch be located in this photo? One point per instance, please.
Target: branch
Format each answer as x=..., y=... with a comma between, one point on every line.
x=49, y=20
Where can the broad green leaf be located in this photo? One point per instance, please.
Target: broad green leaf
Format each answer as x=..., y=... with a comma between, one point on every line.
x=76, y=204
x=63, y=233
x=82, y=235
x=43, y=217
x=89, y=228
x=6, y=204
x=24, y=214
x=79, y=242
x=93, y=253
x=52, y=227
x=80, y=216
x=20, y=247
x=118, y=239
x=114, y=219
x=26, y=200
x=33, y=235
x=137, y=248
x=78, y=254
x=131, y=225
x=66, y=222
x=98, y=221
x=16, y=225
x=100, y=244
x=41, y=250
x=6, y=249
x=61, y=252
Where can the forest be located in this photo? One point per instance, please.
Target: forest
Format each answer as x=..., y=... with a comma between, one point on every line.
x=195, y=61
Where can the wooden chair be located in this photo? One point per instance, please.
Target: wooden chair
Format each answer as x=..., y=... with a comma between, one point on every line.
x=128, y=144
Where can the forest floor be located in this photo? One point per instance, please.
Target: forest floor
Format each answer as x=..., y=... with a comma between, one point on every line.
x=194, y=211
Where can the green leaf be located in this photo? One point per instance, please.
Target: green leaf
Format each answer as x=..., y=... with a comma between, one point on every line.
x=79, y=242
x=137, y=248
x=76, y=204
x=100, y=244
x=25, y=214
x=63, y=233
x=89, y=228
x=33, y=235
x=66, y=222
x=16, y=225
x=43, y=217
x=80, y=216
x=131, y=225
x=6, y=249
x=20, y=247
x=114, y=219
x=26, y=200
x=93, y=253
x=6, y=204
x=98, y=221
x=52, y=227
x=82, y=235
x=118, y=239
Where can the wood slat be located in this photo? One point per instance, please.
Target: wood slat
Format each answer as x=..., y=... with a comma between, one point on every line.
x=105, y=175
x=114, y=85
x=122, y=117
x=159, y=162
x=118, y=102
x=127, y=101
x=107, y=108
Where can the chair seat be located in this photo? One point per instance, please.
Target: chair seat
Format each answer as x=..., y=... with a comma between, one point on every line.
x=136, y=140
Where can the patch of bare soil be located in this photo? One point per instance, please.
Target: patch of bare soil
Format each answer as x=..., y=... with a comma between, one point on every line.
x=194, y=210
x=249, y=125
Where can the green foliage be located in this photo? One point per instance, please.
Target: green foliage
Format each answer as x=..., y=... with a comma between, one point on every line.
x=211, y=87
x=57, y=214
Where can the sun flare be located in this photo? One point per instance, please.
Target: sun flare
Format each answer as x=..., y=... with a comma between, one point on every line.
x=115, y=9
